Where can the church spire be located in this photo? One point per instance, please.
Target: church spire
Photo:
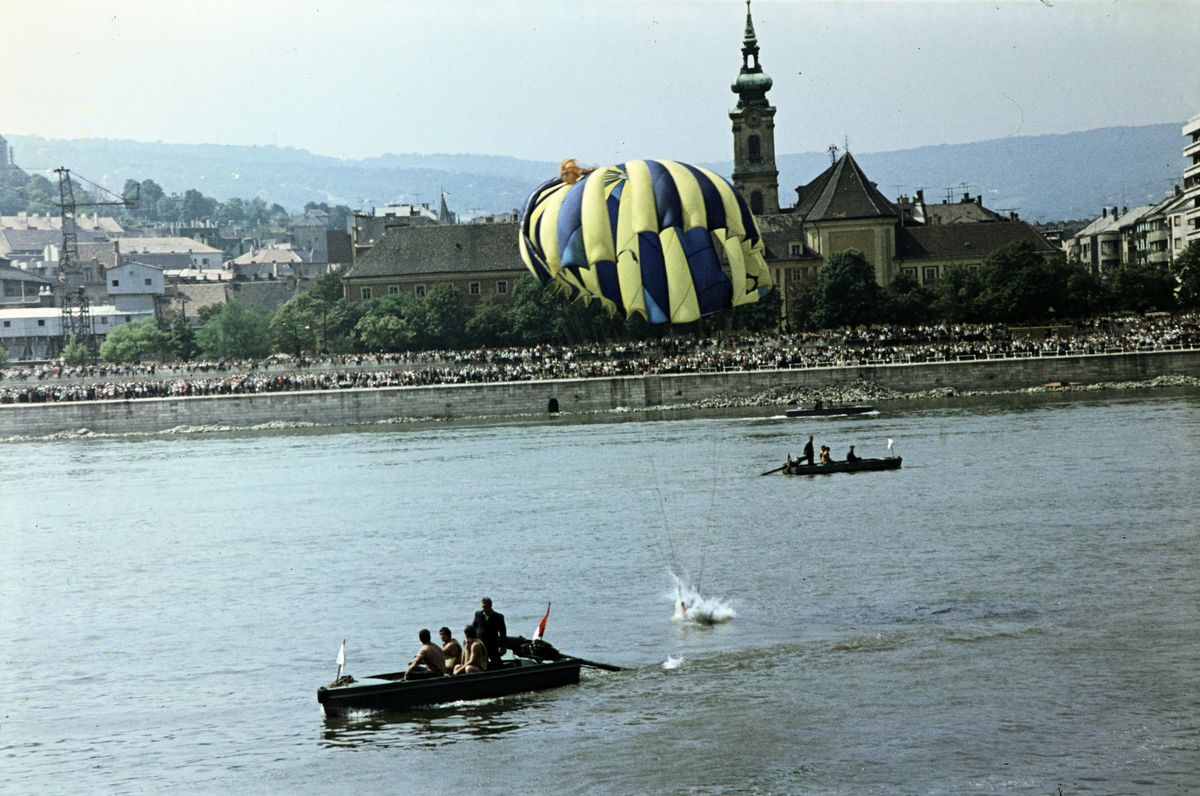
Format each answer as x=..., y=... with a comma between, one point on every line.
x=754, y=172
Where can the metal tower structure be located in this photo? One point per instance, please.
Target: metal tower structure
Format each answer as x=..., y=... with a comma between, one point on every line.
x=76, y=308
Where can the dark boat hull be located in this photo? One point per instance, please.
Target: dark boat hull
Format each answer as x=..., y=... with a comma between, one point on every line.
x=862, y=465
x=830, y=411
x=389, y=692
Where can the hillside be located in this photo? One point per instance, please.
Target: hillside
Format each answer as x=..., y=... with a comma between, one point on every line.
x=1045, y=177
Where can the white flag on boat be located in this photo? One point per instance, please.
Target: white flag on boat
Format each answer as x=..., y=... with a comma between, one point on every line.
x=341, y=661
x=890, y=441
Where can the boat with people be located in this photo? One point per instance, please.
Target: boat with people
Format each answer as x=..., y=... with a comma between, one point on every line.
x=536, y=666
x=857, y=466
x=830, y=411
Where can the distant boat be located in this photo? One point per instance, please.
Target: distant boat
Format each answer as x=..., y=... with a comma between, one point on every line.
x=862, y=465
x=830, y=411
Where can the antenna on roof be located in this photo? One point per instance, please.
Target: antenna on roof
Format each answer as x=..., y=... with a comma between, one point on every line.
x=846, y=142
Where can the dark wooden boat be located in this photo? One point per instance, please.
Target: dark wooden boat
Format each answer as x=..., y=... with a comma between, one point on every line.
x=382, y=692
x=830, y=411
x=862, y=465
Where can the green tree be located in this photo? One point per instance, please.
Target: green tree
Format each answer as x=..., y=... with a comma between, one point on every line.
x=956, y=296
x=1187, y=277
x=437, y=318
x=3, y=356
x=133, y=342
x=537, y=314
x=384, y=333
x=181, y=338
x=490, y=325
x=196, y=206
x=1019, y=284
x=1086, y=296
x=906, y=301
x=235, y=332
x=1142, y=287
x=847, y=293
x=296, y=326
x=76, y=353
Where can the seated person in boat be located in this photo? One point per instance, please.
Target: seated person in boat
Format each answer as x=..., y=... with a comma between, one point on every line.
x=825, y=459
x=475, y=657
x=450, y=648
x=429, y=658
x=851, y=456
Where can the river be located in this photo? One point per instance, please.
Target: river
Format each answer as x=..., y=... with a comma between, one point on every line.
x=1015, y=611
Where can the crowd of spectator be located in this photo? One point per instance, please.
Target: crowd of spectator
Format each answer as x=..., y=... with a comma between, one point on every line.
x=672, y=354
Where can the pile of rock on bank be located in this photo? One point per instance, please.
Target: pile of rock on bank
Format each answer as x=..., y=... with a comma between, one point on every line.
x=865, y=392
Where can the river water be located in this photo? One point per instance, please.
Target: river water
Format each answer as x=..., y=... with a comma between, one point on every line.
x=1016, y=610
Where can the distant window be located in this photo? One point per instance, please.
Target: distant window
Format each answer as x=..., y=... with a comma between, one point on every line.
x=41, y=323
x=419, y=291
x=795, y=249
x=116, y=283
x=148, y=283
x=7, y=324
x=104, y=320
x=474, y=288
x=754, y=149
x=796, y=274
x=911, y=272
x=756, y=202
x=366, y=293
x=128, y=318
x=393, y=290
x=930, y=273
x=501, y=286
x=973, y=268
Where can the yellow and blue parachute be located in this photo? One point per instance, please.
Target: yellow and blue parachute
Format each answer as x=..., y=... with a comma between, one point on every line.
x=668, y=241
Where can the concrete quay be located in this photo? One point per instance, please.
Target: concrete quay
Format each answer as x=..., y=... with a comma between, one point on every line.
x=533, y=398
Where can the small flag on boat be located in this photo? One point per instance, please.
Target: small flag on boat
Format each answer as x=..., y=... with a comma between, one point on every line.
x=341, y=661
x=890, y=441
x=541, y=628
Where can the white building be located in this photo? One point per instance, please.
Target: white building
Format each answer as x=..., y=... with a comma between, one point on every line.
x=169, y=250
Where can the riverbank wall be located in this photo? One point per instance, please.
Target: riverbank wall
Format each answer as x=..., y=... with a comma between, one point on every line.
x=533, y=398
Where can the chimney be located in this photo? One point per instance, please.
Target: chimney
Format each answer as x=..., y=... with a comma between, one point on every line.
x=921, y=195
x=1114, y=211
x=1105, y=213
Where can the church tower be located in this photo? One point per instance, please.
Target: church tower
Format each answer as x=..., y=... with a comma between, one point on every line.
x=754, y=172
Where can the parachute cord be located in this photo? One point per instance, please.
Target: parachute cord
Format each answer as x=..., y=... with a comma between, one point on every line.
x=712, y=503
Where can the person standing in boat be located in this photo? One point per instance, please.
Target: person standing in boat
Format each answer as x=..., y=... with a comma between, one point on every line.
x=429, y=656
x=490, y=629
x=808, y=450
x=450, y=648
x=851, y=456
x=475, y=657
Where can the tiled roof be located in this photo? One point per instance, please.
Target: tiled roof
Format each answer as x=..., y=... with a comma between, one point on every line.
x=438, y=249
x=268, y=255
x=18, y=240
x=779, y=231
x=10, y=274
x=959, y=213
x=965, y=240
x=165, y=245
x=843, y=191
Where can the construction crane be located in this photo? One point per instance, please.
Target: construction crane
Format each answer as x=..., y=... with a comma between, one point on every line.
x=76, y=309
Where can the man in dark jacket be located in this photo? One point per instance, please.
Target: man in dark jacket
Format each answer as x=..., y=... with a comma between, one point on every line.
x=489, y=626
x=808, y=450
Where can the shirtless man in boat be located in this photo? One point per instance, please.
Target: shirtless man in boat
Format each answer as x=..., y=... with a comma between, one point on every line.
x=475, y=657
x=450, y=648
x=429, y=655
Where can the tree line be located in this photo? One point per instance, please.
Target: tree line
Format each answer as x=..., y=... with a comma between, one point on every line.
x=1015, y=284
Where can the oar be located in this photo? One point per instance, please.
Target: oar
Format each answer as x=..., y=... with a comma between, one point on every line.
x=777, y=469
x=608, y=667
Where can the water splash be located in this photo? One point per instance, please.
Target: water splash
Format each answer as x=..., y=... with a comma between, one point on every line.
x=672, y=663
x=691, y=606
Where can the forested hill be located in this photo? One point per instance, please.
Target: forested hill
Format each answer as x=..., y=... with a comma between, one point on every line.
x=1046, y=177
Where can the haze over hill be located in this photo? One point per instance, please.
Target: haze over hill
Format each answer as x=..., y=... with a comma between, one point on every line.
x=1044, y=178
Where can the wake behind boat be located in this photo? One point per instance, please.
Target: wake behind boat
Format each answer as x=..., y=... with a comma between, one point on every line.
x=830, y=411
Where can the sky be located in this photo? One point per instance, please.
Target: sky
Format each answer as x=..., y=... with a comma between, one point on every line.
x=599, y=80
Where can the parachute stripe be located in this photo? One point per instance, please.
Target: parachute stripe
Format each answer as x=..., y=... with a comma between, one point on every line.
x=594, y=219
x=714, y=203
x=653, y=271
x=691, y=198
x=666, y=197
x=684, y=307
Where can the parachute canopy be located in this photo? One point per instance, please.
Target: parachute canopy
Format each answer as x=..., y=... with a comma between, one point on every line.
x=668, y=241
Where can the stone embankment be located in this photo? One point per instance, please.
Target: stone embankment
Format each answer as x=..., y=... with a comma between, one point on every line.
x=661, y=392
